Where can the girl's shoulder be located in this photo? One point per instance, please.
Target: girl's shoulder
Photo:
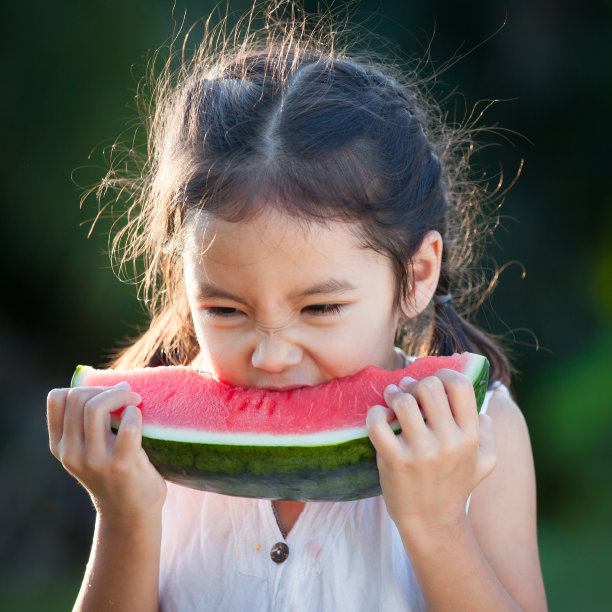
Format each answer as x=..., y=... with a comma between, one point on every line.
x=512, y=482
x=501, y=406
x=497, y=395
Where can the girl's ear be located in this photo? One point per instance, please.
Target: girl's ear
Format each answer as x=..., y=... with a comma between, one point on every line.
x=426, y=265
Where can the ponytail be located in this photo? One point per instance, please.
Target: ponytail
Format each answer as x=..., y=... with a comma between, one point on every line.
x=453, y=334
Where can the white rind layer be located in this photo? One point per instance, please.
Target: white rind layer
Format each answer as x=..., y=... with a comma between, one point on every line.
x=474, y=367
x=324, y=438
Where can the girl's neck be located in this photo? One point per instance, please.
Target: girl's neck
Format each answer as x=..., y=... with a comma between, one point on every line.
x=288, y=512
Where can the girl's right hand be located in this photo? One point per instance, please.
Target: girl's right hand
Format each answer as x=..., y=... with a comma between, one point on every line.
x=114, y=468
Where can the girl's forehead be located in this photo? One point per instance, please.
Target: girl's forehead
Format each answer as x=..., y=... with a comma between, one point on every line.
x=273, y=247
x=267, y=232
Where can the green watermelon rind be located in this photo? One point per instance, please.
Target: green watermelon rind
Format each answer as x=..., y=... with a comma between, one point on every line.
x=480, y=380
x=337, y=472
x=78, y=373
x=331, y=472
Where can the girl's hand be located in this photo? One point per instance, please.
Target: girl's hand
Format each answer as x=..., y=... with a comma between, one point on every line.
x=443, y=451
x=116, y=471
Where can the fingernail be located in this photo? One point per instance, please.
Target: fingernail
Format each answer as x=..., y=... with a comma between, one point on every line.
x=122, y=385
x=407, y=380
x=392, y=388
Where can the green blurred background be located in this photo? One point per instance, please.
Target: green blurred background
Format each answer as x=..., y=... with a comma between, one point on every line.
x=68, y=82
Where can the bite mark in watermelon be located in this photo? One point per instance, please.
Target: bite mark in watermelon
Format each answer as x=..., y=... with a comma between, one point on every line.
x=307, y=444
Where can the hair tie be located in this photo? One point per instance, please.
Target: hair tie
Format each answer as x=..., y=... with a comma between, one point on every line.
x=442, y=300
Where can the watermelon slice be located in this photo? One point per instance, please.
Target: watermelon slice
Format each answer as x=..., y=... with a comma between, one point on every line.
x=303, y=444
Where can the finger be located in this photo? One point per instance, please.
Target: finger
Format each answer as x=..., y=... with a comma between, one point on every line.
x=462, y=400
x=97, y=416
x=56, y=405
x=381, y=434
x=406, y=384
x=431, y=396
x=407, y=411
x=73, y=415
x=129, y=434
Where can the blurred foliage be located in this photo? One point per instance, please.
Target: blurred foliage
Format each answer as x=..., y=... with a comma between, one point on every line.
x=69, y=74
x=571, y=420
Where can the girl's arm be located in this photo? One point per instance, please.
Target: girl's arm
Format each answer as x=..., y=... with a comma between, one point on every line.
x=503, y=508
x=123, y=569
x=489, y=560
x=127, y=491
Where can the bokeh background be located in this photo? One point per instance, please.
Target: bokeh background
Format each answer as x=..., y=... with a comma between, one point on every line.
x=69, y=71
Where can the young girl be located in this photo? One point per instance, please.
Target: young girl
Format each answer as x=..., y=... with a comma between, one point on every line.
x=299, y=214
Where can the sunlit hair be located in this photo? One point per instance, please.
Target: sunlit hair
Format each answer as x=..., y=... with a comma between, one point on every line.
x=281, y=117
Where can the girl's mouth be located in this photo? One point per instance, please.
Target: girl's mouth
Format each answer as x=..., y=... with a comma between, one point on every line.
x=287, y=387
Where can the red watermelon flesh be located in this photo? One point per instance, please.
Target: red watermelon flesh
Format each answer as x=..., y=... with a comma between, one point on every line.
x=181, y=398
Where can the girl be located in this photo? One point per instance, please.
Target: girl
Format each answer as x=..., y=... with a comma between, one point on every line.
x=299, y=214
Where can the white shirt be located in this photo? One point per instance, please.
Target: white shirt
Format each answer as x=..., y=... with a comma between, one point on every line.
x=215, y=555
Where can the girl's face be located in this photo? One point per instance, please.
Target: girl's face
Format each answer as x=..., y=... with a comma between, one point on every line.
x=278, y=303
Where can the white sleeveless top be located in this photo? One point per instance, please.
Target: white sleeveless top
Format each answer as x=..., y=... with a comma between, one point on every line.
x=215, y=555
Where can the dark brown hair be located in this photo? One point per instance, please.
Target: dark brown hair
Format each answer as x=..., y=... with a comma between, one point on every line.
x=282, y=118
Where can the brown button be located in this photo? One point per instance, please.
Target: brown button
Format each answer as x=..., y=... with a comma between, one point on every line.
x=279, y=552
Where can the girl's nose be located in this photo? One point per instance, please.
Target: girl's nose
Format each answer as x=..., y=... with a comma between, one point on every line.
x=274, y=354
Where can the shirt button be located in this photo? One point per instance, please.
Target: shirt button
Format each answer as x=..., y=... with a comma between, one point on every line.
x=279, y=552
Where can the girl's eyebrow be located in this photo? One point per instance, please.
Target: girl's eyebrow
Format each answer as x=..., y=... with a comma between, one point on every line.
x=332, y=285
x=209, y=290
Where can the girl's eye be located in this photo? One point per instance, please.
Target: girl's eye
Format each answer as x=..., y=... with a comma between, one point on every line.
x=222, y=311
x=324, y=309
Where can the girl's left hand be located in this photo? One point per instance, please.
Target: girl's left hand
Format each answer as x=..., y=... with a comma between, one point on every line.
x=444, y=450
